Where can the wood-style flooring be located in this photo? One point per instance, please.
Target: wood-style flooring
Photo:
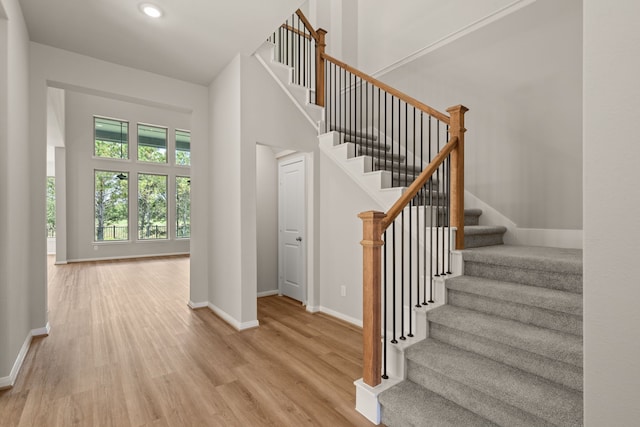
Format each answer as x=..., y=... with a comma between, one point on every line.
x=125, y=350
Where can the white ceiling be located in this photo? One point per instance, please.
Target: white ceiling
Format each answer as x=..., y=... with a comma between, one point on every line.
x=193, y=41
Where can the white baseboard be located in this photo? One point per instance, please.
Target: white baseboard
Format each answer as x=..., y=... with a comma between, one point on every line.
x=313, y=308
x=41, y=332
x=112, y=258
x=60, y=263
x=196, y=305
x=8, y=382
x=549, y=238
x=341, y=316
x=241, y=326
x=268, y=293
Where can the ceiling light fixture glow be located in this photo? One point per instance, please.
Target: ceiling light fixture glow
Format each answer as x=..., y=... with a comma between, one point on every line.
x=151, y=10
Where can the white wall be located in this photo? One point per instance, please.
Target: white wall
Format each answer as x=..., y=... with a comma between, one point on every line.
x=63, y=69
x=389, y=32
x=225, y=208
x=611, y=212
x=19, y=230
x=520, y=77
x=341, y=200
x=267, y=218
x=246, y=107
x=81, y=164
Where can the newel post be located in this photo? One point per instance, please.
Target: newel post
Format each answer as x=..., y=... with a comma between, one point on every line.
x=456, y=128
x=371, y=309
x=320, y=47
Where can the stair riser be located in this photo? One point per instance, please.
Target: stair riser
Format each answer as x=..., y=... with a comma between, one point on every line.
x=482, y=240
x=379, y=154
x=559, y=372
x=471, y=219
x=393, y=419
x=545, y=279
x=473, y=400
x=522, y=313
x=551, y=344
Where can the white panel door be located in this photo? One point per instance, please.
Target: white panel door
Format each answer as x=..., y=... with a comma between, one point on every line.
x=291, y=207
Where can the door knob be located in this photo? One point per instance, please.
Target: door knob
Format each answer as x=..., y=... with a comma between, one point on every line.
x=298, y=239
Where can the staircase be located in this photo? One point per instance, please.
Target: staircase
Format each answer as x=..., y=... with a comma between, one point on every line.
x=506, y=350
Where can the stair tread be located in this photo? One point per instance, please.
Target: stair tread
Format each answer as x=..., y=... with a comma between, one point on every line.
x=473, y=212
x=550, y=299
x=423, y=408
x=512, y=386
x=476, y=230
x=528, y=257
x=555, y=345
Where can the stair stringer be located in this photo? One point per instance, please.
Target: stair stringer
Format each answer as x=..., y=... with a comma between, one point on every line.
x=283, y=75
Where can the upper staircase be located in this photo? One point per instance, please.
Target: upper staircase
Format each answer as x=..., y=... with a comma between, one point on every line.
x=474, y=332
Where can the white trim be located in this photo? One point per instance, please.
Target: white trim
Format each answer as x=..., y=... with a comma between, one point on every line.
x=338, y=315
x=313, y=308
x=41, y=332
x=548, y=237
x=196, y=305
x=286, y=90
x=367, y=398
x=482, y=22
x=556, y=238
x=126, y=257
x=233, y=322
x=60, y=263
x=285, y=153
x=8, y=382
x=268, y=293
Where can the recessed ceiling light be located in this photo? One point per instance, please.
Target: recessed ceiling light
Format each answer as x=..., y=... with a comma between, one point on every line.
x=151, y=10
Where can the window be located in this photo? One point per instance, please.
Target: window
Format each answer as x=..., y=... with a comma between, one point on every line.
x=152, y=206
x=51, y=206
x=152, y=144
x=111, y=205
x=111, y=138
x=183, y=148
x=183, y=207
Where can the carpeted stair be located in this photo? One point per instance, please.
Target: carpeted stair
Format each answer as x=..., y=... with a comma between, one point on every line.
x=507, y=348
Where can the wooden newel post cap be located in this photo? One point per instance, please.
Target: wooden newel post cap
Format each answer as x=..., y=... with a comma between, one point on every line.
x=372, y=228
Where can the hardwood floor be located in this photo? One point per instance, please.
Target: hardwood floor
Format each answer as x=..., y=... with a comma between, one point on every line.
x=125, y=350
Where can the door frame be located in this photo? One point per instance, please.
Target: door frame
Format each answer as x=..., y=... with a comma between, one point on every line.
x=284, y=161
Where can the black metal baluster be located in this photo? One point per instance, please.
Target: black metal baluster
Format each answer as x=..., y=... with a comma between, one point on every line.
x=392, y=136
x=437, y=196
x=431, y=224
x=418, y=204
x=424, y=216
x=402, y=233
x=384, y=308
x=393, y=282
x=449, y=207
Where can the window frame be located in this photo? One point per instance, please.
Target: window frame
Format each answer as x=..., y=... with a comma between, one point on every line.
x=128, y=151
x=167, y=229
x=166, y=141
x=128, y=204
x=175, y=148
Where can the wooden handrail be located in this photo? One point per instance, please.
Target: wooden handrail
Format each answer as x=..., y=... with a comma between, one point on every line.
x=297, y=31
x=418, y=183
x=307, y=24
x=394, y=92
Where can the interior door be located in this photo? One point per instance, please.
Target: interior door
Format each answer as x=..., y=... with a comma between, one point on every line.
x=291, y=241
